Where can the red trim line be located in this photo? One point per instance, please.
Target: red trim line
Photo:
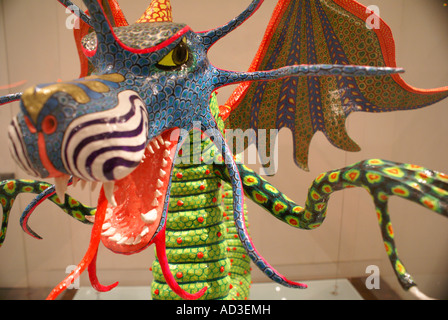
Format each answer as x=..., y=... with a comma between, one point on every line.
x=53, y=172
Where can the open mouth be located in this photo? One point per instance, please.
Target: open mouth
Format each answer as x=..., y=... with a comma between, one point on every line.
x=130, y=214
x=130, y=226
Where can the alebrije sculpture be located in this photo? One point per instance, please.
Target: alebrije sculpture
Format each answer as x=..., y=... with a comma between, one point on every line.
x=143, y=120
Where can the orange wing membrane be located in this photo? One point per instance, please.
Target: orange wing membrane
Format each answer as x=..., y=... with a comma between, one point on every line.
x=321, y=32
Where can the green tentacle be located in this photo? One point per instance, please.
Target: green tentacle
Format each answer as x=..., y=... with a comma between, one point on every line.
x=380, y=178
x=10, y=189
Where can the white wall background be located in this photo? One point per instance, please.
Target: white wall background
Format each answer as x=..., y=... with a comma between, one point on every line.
x=35, y=46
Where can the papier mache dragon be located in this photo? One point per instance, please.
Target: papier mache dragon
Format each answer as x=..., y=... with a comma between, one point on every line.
x=143, y=120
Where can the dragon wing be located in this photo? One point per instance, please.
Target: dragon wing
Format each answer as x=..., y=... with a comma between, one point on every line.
x=321, y=32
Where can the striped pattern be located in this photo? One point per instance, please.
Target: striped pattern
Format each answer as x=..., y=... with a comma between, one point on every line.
x=17, y=148
x=107, y=145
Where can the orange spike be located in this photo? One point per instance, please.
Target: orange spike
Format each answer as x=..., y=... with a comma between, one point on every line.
x=158, y=11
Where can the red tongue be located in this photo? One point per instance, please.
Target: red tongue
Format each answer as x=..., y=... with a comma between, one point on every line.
x=142, y=192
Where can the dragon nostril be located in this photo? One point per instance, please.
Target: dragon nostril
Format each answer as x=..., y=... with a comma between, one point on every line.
x=49, y=124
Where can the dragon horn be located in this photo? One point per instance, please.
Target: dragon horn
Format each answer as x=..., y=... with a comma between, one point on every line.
x=212, y=36
x=158, y=11
x=101, y=25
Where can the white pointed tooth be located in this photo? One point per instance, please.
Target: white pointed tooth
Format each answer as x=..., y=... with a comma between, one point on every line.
x=130, y=241
x=75, y=181
x=155, y=203
x=164, y=163
x=150, y=149
x=150, y=217
x=109, y=232
x=144, y=232
x=158, y=193
x=159, y=183
x=60, y=185
x=156, y=144
x=137, y=240
x=83, y=184
x=106, y=226
x=93, y=185
x=109, y=193
x=90, y=218
x=162, y=173
x=166, y=154
x=109, y=213
x=116, y=237
x=167, y=144
x=122, y=240
x=160, y=140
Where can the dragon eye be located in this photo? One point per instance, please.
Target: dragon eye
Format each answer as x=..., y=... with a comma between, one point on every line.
x=176, y=57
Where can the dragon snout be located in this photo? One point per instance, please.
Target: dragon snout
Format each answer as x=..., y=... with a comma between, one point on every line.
x=49, y=139
x=107, y=146
x=35, y=131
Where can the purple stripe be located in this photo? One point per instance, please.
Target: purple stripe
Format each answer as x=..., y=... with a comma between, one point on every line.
x=270, y=64
x=99, y=152
x=111, y=120
x=104, y=136
x=289, y=90
x=339, y=57
x=314, y=92
x=111, y=164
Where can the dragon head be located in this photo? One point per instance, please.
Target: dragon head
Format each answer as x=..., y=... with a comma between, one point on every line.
x=121, y=125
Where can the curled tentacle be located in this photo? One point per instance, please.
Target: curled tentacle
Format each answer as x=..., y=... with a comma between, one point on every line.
x=94, y=279
x=6, y=201
x=238, y=203
x=90, y=255
x=71, y=206
x=380, y=178
x=159, y=241
x=33, y=205
x=10, y=189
